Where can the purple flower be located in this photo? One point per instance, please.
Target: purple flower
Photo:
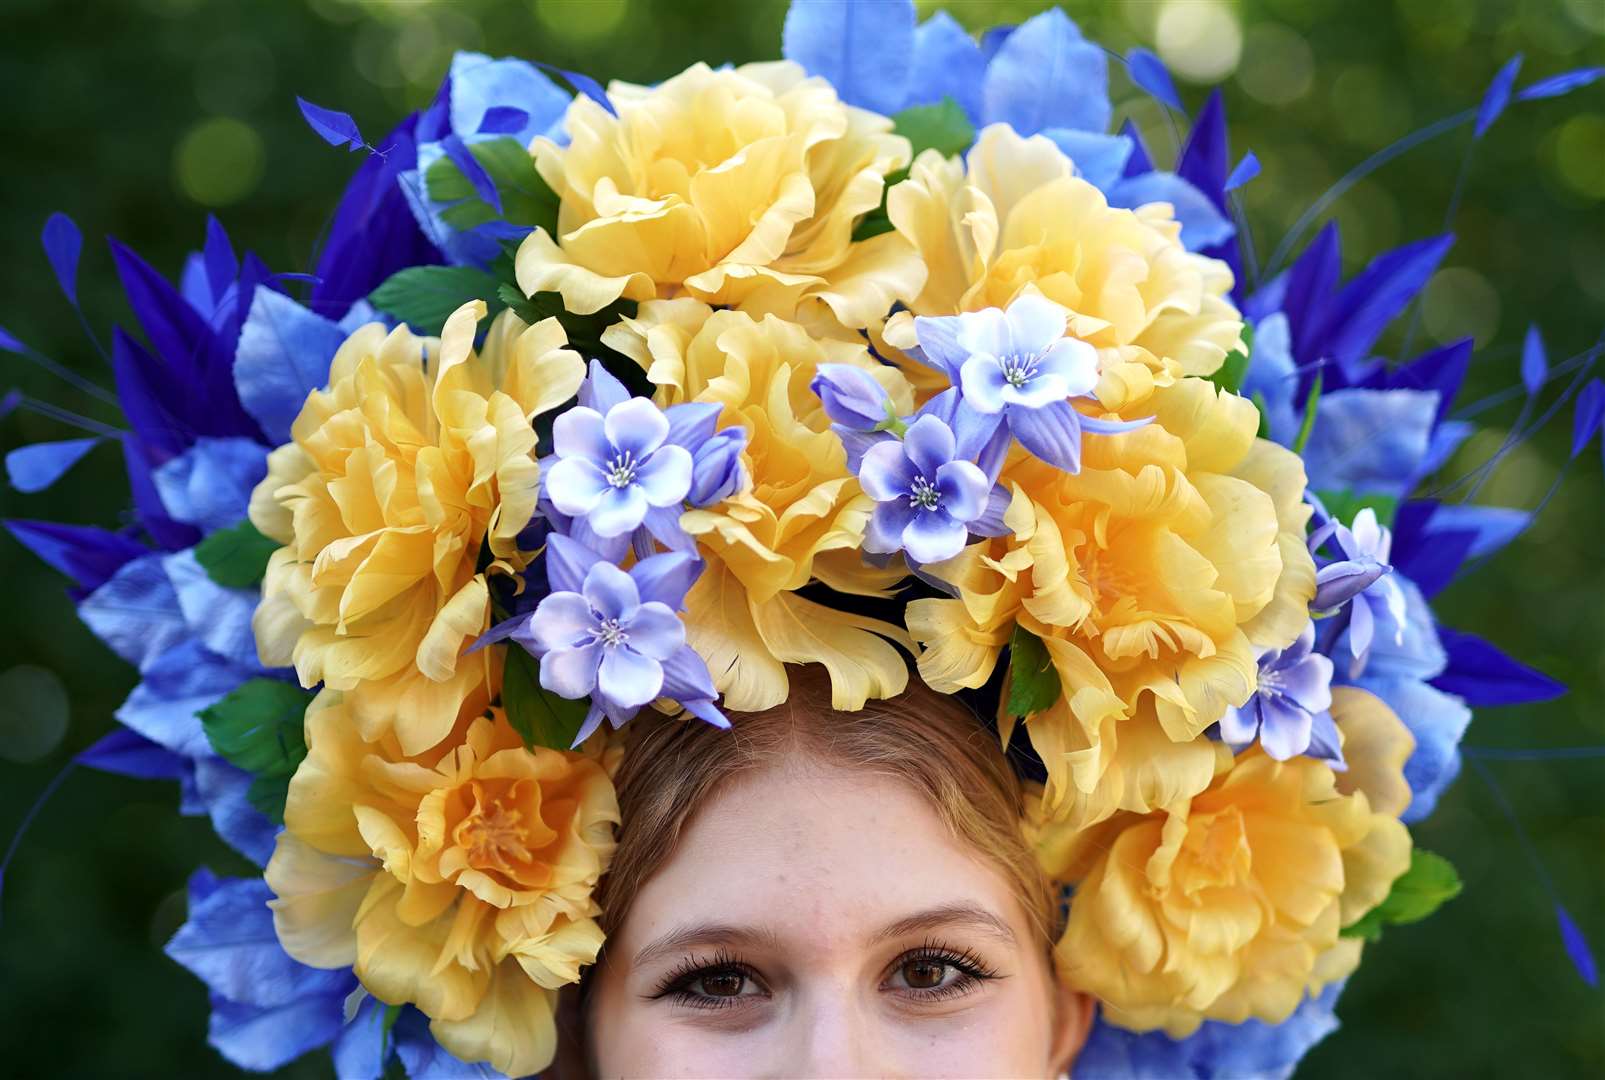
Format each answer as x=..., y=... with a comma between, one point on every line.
x=1361, y=577
x=1290, y=710
x=852, y=398
x=612, y=468
x=1016, y=370
x=925, y=498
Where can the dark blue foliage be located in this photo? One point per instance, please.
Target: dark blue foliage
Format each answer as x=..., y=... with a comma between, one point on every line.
x=334, y=128
x=88, y=555
x=1483, y=675
x=63, y=245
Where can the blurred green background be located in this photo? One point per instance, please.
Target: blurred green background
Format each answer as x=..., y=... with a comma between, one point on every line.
x=138, y=116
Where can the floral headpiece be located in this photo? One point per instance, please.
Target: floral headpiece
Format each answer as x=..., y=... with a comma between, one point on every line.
x=636, y=398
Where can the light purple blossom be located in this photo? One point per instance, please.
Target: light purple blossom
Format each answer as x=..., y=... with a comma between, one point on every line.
x=1016, y=371
x=853, y=398
x=612, y=468
x=1290, y=712
x=925, y=498
x=1362, y=578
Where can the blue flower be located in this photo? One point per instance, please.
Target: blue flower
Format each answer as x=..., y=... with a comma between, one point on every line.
x=1290, y=710
x=925, y=498
x=1016, y=371
x=612, y=468
x=1366, y=546
x=852, y=398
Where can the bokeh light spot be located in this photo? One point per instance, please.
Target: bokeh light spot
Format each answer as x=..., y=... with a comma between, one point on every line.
x=33, y=713
x=1460, y=302
x=1277, y=67
x=581, y=21
x=1580, y=154
x=1200, y=39
x=219, y=161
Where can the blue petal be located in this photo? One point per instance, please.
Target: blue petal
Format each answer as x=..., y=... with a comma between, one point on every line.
x=1564, y=83
x=425, y=1059
x=1590, y=410
x=136, y=612
x=601, y=389
x=481, y=87
x=35, y=467
x=177, y=686
x=63, y=244
x=865, y=48
x=1149, y=73
x=575, y=484
x=484, y=187
x=566, y=563
x=1437, y=721
x=262, y=1040
x=1577, y=949
x=571, y=673
x=1497, y=96
x=362, y=1047
x=1534, y=361
x=947, y=64
x=1053, y=434
x=1371, y=300
x=693, y=423
x=127, y=753
x=628, y=679
x=1493, y=526
x=1272, y=378
x=686, y=677
x=666, y=578
x=934, y=536
x=218, y=616
x=1479, y=672
x=581, y=432
x=1369, y=440
x=1099, y=159
x=1046, y=75
x=334, y=128
x=1244, y=171
x=283, y=355
x=502, y=120
x=637, y=427
x=222, y=267
x=563, y=620
x=612, y=593
x=884, y=533
x=224, y=792
x=964, y=490
x=886, y=474
x=717, y=472
x=1202, y=223
x=656, y=631
x=210, y=484
x=929, y=445
x=939, y=343
x=618, y=511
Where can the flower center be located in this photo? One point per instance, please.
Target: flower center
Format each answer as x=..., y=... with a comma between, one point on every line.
x=922, y=494
x=621, y=470
x=1019, y=370
x=610, y=633
x=492, y=834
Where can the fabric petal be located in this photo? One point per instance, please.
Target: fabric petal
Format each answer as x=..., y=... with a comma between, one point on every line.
x=1052, y=433
x=981, y=379
x=964, y=489
x=929, y=445
x=618, y=511
x=636, y=427
x=656, y=631
x=886, y=473
x=571, y=673
x=582, y=433
x=576, y=485
x=933, y=536
x=627, y=678
x=562, y=620
x=665, y=477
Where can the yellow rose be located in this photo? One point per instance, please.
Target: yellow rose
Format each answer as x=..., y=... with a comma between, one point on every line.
x=1228, y=906
x=1154, y=576
x=459, y=880
x=419, y=452
x=738, y=187
x=1014, y=216
x=802, y=518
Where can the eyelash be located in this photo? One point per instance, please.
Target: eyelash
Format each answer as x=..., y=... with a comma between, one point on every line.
x=677, y=984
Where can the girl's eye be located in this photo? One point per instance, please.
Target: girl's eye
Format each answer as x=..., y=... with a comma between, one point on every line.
x=927, y=973
x=721, y=984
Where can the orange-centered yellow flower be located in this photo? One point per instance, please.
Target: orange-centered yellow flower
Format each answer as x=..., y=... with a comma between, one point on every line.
x=736, y=187
x=802, y=518
x=419, y=453
x=1228, y=905
x=459, y=880
x=1014, y=216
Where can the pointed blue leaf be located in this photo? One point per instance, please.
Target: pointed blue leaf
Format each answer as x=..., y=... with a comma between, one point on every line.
x=1581, y=956
x=503, y=120
x=9, y=342
x=1150, y=73
x=1534, y=361
x=1442, y=369
x=9, y=403
x=1564, y=83
x=221, y=265
x=1202, y=223
x=1046, y=75
x=1139, y=162
x=334, y=128
x=1206, y=158
x=63, y=244
x=1375, y=296
x=1497, y=97
x=864, y=48
x=1590, y=409
x=1310, y=283
x=1246, y=170
x=1483, y=675
x=34, y=468
x=485, y=92
x=583, y=84
x=947, y=63
x=128, y=753
x=473, y=171
x=88, y=555
x=136, y=612
x=283, y=355
x=138, y=462
x=1493, y=526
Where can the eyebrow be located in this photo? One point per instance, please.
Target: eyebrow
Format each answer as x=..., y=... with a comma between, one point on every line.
x=707, y=934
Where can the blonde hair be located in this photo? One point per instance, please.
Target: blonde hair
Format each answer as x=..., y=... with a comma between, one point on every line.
x=929, y=741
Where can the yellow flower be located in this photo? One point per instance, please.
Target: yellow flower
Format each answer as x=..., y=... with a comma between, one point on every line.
x=459, y=880
x=1014, y=216
x=1153, y=575
x=802, y=518
x=738, y=187
x=417, y=454
x=1228, y=906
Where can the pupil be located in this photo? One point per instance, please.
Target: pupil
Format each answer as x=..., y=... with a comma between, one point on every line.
x=723, y=984
x=924, y=974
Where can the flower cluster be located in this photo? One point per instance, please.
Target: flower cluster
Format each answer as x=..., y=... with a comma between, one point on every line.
x=770, y=346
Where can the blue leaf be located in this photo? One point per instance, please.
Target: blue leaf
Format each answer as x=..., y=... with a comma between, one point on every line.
x=503, y=120
x=1497, y=97
x=472, y=171
x=1099, y=159
x=209, y=485
x=1442, y=369
x=136, y=612
x=947, y=63
x=88, y=555
x=583, y=84
x=1246, y=170
x=865, y=48
x=1493, y=526
x=992, y=39
x=1139, y=162
x=1150, y=73
x=1582, y=957
x=63, y=244
x=334, y=128
x=1308, y=291
x=34, y=468
x=1375, y=296
x=1564, y=83
x=138, y=460
x=9, y=343
x=1590, y=409
x=9, y=402
x=1205, y=159
x=1534, y=361
x=1202, y=223
x=283, y=355
x=486, y=93
x=127, y=753
x=1483, y=675
x=1046, y=75
x=1369, y=441
x=222, y=268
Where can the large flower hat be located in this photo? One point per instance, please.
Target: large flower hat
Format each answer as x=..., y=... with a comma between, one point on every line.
x=893, y=361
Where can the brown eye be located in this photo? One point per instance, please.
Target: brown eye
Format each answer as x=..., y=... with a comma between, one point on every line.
x=924, y=974
x=722, y=983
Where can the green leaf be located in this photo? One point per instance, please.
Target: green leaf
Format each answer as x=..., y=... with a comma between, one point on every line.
x=1343, y=505
x=236, y=557
x=526, y=198
x=1229, y=376
x=876, y=221
x=1311, y=406
x=259, y=728
x=1264, y=431
x=1430, y=883
x=423, y=297
x=540, y=717
x=1033, y=681
x=942, y=127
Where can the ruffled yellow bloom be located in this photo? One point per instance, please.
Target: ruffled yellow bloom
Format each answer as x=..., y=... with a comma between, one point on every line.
x=419, y=452
x=1228, y=905
x=802, y=518
x=1153, y=575
x=736, y=187
x=459, y=880
x=1013, y=216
